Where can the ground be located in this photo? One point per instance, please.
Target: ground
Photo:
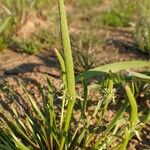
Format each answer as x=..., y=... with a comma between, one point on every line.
x=118, y=46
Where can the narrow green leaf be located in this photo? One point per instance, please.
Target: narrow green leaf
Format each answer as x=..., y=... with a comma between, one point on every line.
x=15, y=139
x=140, y=76
x=112, y=124
x=63, y=69
x=62, y=64
x=114, y=67
x=34, y=105
x=5, y=24
x=4, y=147
x=126, y=139
x=6, y=142
x=133, y=106
x=52, y=119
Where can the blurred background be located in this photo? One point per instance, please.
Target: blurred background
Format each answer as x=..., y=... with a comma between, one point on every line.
x=101, y=31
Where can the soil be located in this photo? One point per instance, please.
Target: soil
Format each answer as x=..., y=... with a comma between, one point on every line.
x=31, y=68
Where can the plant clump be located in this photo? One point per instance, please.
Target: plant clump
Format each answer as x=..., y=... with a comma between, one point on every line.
x=68, y=119
x=121, y=14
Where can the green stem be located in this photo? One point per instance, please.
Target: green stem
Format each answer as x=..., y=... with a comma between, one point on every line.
x=69, y=69
x=126, y=139
x=133, y=117
x=133, y=106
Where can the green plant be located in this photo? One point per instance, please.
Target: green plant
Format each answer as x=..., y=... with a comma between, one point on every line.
x=43, y=40
x=121, y=14
x=3, y=32
x=85, y=52
x=142, y=33
x=3, y=43
x=46, y=128
x=83, y=61
x=88, y=3
x=115, y=67
x=47, y=39
x=30, y=47
x=13, y=16
x=112, y=18
x=27, y=46
x=14, y=9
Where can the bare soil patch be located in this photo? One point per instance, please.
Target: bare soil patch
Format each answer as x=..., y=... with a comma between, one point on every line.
x=119, y=46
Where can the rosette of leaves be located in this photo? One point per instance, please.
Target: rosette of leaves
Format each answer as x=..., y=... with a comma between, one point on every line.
x=49, y=129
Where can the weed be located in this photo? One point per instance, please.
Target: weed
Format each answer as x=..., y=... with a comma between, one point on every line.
x=112, y=18
x=27, y=46
x=15, y=10
x=30, y=47
x=13, y=14
x=45, y=128
x=121, y=14
x=4, y=33
x=85, y=49
x=47, y=39
x=43, y=40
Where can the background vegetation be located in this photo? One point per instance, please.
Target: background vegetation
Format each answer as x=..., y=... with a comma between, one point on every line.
x=69, y=117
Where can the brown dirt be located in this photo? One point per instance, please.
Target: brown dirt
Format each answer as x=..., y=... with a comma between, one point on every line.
x=31, y=69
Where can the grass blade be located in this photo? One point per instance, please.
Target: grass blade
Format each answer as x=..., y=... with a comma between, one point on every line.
x=34, y=105
x=5, y=24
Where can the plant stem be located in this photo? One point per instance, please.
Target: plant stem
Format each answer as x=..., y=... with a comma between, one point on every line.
x=69, y=69
x=133, y=106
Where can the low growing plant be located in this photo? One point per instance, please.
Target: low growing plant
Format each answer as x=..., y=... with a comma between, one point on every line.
x=47, y=39
x=112, y=18
x=14, y=9
x=4, y=26
x=85, y=51
x=13, y=17
x=58, y=126
x=43, y=127
x=29, y=46
x=122, y=13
